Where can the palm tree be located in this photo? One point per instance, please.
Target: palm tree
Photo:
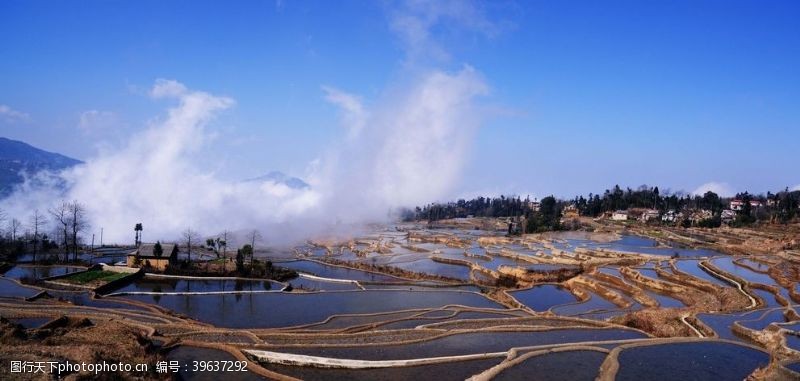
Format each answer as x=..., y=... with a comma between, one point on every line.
x=138, y=229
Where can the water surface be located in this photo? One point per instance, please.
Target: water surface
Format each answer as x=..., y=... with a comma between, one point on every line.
x=544, y=297
x=689, y=361
x=272, y=310
x=468, y=343
x=12, y=289
x=692, y=267
x=726, y=264
x=573, y=365
x=39, y=272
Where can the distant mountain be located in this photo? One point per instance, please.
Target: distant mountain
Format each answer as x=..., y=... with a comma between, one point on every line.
x=17, y=157
x=281, y=178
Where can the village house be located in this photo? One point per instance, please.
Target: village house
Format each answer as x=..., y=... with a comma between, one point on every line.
x=144, y=256
x=736, y=205
x=728, y=216
x=620, y=215
x=699, y=215
x=649, y=214
x=571, y=211
x=671, y=216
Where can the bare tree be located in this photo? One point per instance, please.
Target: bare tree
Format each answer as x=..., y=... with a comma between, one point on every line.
x=190, y=236
x=37, y=221
x=254, y=236
x=78, y=219
x=223, y=242
x=61, y=215
x=2, y=219
x=13, y=228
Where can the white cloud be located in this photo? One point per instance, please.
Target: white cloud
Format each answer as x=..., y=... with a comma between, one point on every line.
x=354, y=116
x=796, y=187
x=167, y=88
x=721, y=189
x=411, y=150
x=414, y=20
x=10, y=115
x=96, y=120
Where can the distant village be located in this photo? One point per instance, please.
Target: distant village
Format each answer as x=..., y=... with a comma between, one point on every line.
x=645, y=205
x=671, y=216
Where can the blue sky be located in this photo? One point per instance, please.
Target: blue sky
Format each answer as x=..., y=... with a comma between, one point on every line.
x=582, y=95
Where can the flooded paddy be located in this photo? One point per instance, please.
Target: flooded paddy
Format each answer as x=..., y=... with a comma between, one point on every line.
x=761, y=322
x=595, y=304
x=692, y=267
x=793, y=340
x=664, y=300
x=727, y=264
x=689, y=361
x=289, y=309
x=572, y=365
x=721, y=323
x=432, y=267
x=467, y=343
x=306, y=284
x=637, y=244
x=421, y=286
x=498, y=260
x=12, y=289
x=157, y=284
x=650, y=273
x=544, y=297
x=336, y=272
x=375, y=316
x=767, y=297
x=32, y=273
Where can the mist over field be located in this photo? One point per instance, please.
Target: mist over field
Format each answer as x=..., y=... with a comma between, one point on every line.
x=403, y=149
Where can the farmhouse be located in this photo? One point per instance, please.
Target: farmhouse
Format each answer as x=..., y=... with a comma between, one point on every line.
x=145, y=256
x=649, y=214
x=620, y=215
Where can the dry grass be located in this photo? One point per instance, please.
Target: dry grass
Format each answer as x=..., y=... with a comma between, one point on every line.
x=78, y=341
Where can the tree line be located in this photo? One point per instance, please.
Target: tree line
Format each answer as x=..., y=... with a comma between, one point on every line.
x=780, y=207
x=59, y=229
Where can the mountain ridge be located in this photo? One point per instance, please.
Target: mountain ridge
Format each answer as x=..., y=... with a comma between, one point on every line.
x=17, y=157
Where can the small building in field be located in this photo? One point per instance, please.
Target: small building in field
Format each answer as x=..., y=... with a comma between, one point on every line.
x=736, y=205
x=571, y=211
x=672, y=216
x=620, y=215
x=649, y=214
x=728, y=215
x=699, y=215
x=144, y=256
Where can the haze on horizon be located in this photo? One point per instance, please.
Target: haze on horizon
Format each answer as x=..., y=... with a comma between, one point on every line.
x=400, y=103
